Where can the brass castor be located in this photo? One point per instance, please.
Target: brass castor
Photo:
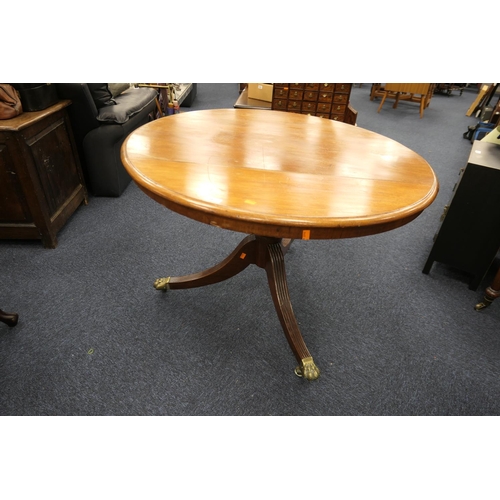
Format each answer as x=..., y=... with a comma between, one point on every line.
x=307, y=369
x=162, y=284
x=482, y=305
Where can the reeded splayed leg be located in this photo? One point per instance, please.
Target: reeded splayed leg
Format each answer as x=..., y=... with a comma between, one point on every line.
x=236, y=262
x=276, y=275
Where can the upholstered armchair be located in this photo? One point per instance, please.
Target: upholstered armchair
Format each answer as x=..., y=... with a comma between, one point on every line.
x=102, y=115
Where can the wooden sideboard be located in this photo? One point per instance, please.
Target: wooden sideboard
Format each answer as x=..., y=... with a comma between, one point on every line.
x=327, y=100
x=41, y=180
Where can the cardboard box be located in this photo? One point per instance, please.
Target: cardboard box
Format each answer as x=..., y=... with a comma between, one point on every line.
x=260, y=91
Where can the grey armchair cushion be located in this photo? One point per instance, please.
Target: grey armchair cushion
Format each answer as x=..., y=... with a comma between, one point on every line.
x=127, y=105
x=118, y=88
x=101, y=94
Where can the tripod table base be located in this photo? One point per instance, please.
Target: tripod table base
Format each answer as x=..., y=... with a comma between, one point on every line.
x=268, y=254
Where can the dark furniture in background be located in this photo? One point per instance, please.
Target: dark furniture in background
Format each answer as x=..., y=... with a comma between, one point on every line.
x=101, y=121
x=41, y=180
x=36, y=96
x=491, y=293
x=326, y=100
x=100, y=127
x=469, y=236
x=10, y=319
x=448, y=88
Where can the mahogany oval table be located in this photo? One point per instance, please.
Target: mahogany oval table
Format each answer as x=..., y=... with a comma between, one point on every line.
x=276, y=176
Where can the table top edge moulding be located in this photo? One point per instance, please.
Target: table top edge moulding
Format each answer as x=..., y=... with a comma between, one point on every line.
x=284, y=175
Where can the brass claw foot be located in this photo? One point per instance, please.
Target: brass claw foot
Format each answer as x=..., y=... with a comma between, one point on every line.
x=307, y=369
x=482, y=305
x=162, y=283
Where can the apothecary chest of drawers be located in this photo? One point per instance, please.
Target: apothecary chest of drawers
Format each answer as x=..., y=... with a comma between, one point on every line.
x=326, y=100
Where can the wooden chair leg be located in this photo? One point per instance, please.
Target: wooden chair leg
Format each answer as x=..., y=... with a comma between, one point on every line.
x=382, y=102
x=374, y=90
x=10, y=319
x=422, y=106
x=491, y=293
x=396, y=101
x=158, y=108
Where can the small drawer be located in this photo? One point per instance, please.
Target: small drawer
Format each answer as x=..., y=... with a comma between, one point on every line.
x=340, y=98
x=280, y=85
x=312, y=86
x=343, y=87
x=308, y=106
x=280, y=104
x=310, y=95
x=323, y=115
x=324, y=107
x=297, y=86
x=325, y=96
x=294, y=105
x=280, y=92
x=298, y=95
x=337, y=118
x=338, y=109
x=328, y=87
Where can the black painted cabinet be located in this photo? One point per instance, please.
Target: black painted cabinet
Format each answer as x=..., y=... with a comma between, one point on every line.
x=469, y=236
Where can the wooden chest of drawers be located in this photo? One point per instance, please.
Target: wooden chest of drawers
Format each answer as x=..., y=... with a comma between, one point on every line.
x=327, y=100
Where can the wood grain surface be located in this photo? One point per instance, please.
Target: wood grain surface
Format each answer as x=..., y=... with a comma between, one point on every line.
x=279, y=174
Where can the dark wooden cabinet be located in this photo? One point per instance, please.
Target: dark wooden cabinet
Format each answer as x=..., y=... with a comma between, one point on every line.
x=469, y=236
x=41, y=180
x=327, y=100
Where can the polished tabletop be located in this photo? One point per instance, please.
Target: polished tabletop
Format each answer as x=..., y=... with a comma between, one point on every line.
x=279, y=174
